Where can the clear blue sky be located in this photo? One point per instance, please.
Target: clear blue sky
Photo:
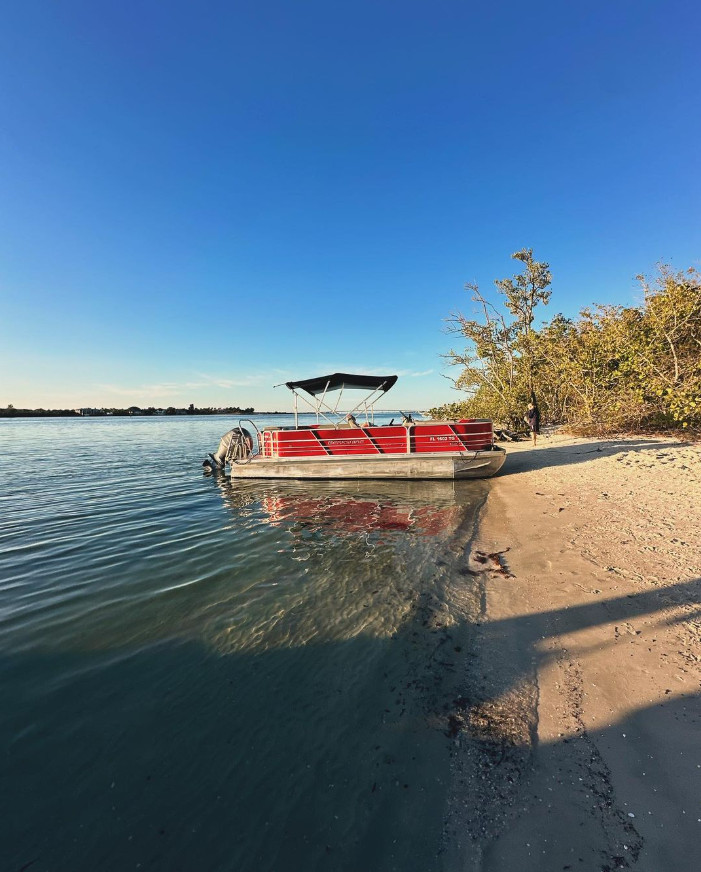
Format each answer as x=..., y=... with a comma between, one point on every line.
x=199, y=200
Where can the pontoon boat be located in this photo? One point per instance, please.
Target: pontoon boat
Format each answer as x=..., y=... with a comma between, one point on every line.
x=337, y=446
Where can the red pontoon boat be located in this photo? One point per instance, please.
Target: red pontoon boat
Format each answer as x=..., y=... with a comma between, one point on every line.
x=337, y=446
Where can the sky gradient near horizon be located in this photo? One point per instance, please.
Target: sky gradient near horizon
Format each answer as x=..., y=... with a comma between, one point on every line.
x=198, y=201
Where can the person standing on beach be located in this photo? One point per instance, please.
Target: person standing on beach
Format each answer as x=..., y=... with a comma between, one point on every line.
x=532, y=418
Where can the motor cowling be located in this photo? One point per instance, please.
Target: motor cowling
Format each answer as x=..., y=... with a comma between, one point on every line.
x=234, y=447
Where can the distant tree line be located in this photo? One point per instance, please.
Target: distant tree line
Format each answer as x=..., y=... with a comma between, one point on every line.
x=11, y=412
x=613, y=369
x=192, y=410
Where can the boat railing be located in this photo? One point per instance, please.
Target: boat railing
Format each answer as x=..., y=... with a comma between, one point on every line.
x=259, y=437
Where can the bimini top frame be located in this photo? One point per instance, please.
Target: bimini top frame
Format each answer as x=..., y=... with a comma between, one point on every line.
x=319, y=387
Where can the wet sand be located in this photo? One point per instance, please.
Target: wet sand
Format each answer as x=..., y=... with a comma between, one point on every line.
x=580, y=749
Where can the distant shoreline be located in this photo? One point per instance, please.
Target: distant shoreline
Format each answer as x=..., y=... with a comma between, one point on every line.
x=68, y=413
x=178, y=413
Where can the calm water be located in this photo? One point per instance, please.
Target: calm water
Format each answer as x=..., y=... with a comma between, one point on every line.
x=199, y=676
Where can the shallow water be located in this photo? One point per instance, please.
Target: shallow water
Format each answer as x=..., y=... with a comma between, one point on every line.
x=199, y=676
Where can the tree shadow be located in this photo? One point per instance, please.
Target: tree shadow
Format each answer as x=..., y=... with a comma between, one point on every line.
x=593, y=799
x=546, y=456
x=622, y=797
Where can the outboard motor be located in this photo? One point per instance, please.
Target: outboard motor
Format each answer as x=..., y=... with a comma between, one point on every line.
x=234, y=447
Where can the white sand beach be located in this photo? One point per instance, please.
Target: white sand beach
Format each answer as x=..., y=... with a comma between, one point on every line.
x=599, y=599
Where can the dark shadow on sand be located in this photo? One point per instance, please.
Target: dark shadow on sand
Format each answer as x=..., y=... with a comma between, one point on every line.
x=547, y=455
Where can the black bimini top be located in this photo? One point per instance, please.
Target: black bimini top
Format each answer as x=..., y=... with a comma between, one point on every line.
x=338, y=380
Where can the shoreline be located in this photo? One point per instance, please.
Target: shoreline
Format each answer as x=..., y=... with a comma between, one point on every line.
x=589, y=652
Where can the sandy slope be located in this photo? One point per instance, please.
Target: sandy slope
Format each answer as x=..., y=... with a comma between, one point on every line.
x=589, y=662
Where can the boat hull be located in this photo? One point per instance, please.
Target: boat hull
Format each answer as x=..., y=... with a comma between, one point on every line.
x=458, y=465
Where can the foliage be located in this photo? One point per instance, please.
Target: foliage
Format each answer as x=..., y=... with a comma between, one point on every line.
x=11, y=412
x=497, y=363
x=615, y=368
x=671, y=365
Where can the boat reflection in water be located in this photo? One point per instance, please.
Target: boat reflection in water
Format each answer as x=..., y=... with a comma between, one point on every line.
x=425, y=508
x=325, y=562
